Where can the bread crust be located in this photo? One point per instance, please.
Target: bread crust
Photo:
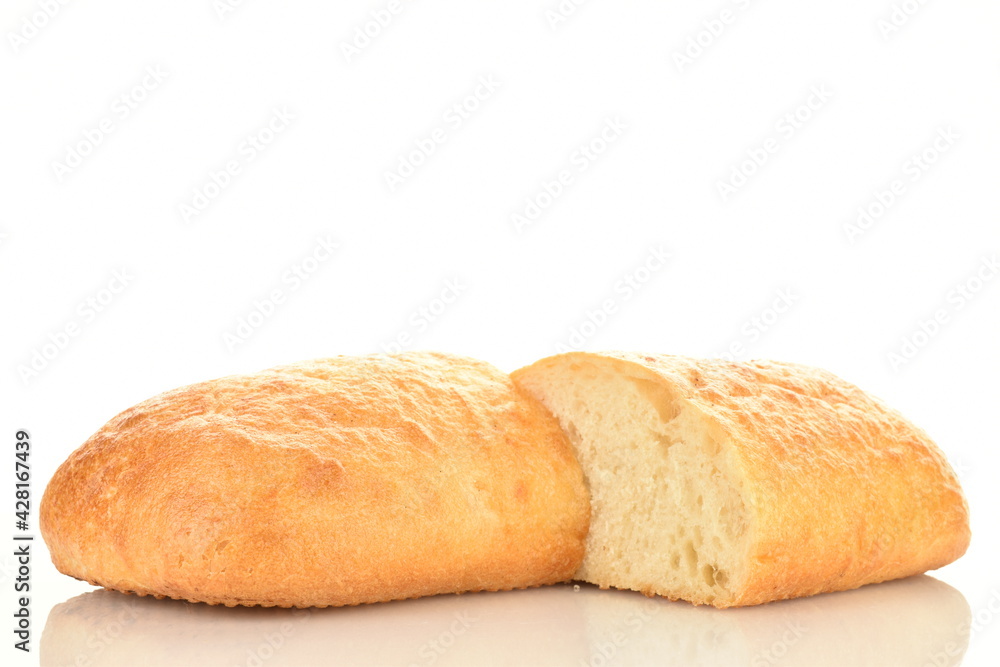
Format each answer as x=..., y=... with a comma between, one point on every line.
x=331, y=482
x=841, y=490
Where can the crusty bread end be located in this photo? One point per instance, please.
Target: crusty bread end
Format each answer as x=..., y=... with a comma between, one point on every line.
x=741, y=483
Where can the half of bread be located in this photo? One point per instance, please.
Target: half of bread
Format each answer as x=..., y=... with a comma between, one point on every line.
x=331, y=482
x=740, y=483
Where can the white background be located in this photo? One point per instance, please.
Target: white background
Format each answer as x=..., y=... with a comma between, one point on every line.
x=522, y=290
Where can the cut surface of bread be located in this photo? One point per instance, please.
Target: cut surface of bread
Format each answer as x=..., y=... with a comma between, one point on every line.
x=741, y=483
x=331, y=482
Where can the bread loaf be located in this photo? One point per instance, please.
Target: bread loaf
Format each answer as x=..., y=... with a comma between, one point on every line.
x=740, y=483
x=332, y=482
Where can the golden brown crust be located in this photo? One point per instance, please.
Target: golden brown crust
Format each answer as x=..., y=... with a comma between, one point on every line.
x=841, y=490
x=331, y=482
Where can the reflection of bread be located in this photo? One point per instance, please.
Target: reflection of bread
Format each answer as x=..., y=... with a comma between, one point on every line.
x=106, y=629
x=915, y=621
x=333, y=482
x=735, y=484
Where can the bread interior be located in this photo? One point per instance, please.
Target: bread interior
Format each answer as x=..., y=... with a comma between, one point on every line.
x=667, y=515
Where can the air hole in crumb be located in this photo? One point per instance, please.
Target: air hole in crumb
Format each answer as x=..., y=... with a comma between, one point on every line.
x=659, y=397
x=572, y=432
x=664, y=440
x=691, y=556
x=714, y=446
